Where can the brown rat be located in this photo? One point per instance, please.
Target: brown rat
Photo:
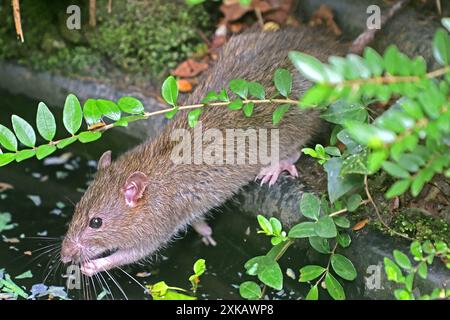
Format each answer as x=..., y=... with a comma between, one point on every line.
x=138, y=202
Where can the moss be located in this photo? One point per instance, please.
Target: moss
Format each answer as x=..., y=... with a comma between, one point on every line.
x=150, y=36
x=421, y=227
x=139, y=36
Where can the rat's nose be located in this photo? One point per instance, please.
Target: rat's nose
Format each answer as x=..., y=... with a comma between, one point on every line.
x=69, y=252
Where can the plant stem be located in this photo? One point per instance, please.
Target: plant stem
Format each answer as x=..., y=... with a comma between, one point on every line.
x=345, y=209
x=328, y=266
x=395, y=79
x=286, y=246
x=369, y=197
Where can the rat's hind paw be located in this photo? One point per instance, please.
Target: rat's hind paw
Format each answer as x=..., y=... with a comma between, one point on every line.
x=203, y=229
x=270, y=174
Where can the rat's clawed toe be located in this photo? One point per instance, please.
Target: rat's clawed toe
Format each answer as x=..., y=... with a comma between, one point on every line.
x=270, y=174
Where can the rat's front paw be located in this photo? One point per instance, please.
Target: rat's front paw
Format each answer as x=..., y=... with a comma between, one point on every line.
x=205, y=231
x=92, y=267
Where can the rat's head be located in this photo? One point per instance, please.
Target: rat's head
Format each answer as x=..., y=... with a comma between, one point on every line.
x=108, y=226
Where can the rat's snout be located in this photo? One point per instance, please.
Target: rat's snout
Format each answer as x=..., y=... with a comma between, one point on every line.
x=70, y=251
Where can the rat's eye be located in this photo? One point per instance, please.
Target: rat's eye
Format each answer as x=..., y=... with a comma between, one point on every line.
x=95, y=223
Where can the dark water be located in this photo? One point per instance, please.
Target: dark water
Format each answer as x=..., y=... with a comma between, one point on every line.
x=58, y=187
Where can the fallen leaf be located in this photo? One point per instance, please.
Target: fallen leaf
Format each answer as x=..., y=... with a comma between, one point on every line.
x=271, y=26
x=26, y=275
x=36, y=200
x=235, y=27
x=143, y=274
x=28, y=253
x=5, y=186
x=184, y=85
x=361, y=224
x=325, y=15
x=394, y=204
x=189, y=68
x=52, y=161
x=233, y=11
x=10, y=240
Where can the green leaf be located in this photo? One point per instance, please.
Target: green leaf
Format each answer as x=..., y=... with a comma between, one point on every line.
x=402, y=260
x=310, y=272
x=276, y=225
x=6, y=158
x=200, y=267
x=395, y=170
x=109, y=109
x=169, y=91
x=236, y=104
x=343, y=239
x=7, y=139
x=369, y=135
x=393, y=272
x=257, y=90
x=25, y=154
x=398, y=188
x=24, y=131
x=313, y=293
x=402, y=294
x=211, y=96
x=341, y=111
x=279, y=113
x=248, y=109
x=45, y=122
x=319, y=244
x=283, y=82
x=72, y=114
x=92, y=113
x=422, y=270
x=343, y=267
x=310, y=206
x=441, y=47
x=334, y=288
x=325, y=227
x=309, y=67
x=250, y=290
x=26, y=275
x=374, y=61
x=89, y=136
x=265, y=224
x=333, y=151
x=130, y=105
x=193, y=117
x=271, y=275
x=342, y=222
x=65, y=142
x=302, y=230
x=315, y=96
x=353, y=202
x=170, y=114
x=446, y=23
x=338, y=185
x=44, y=151
x=239, y=87
x=416, y=249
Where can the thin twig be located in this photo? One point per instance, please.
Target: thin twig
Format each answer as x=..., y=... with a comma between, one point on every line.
x=369, y=197
x=17, y=20
x=346, y=209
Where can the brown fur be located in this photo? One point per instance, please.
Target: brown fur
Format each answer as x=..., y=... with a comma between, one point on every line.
x=178, y=194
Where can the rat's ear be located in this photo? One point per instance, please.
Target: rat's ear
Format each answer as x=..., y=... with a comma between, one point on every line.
x=134, y=188
x=104, y=161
